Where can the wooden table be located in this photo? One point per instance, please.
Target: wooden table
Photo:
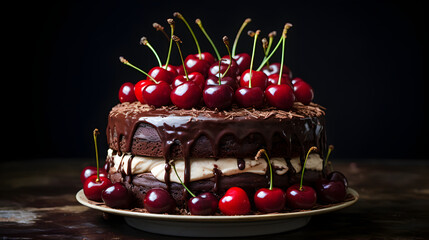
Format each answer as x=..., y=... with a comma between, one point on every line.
x=37, y=200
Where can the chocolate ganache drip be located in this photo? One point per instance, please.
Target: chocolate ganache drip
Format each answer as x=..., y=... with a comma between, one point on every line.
x=237, y=133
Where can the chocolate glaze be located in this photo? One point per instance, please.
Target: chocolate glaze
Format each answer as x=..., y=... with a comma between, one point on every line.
x=281, y=133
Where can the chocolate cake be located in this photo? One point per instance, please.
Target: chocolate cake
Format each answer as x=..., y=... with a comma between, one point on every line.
x=212, y=150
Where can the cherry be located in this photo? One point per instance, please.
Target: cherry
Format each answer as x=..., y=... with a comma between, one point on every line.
x=95, y=184
x=157, y=94
x=303, y=92
x=126, y=93
x=194, y=64
x=90, y=171
x=213, y=81
x=203, y=204
x=161, y=74
x=295, y=80
x=187, y=95
x=158, y=200
x=218, y=96
x=274, y=79
x=243, y=59
x=234, y=202
x=138, y=89
x=249, y=97
x=299, y=196
x=274, y=68
x=196, y=77
x=330, y=191
x=93, y=187
x=338, y=176
x=217, y=69
x=257, y=79
x=117, y=196
x=269, y=199
x=171, y=69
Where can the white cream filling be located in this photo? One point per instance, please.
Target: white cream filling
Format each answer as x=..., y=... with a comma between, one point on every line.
x=202, y=168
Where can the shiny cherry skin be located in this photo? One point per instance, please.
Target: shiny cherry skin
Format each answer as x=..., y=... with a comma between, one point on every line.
x=242, y=60
x=194, y=64
x=196, y=77
x=126, y=93
x=158, y=200
x=303, y=92
x=138, y=89
x=300, y=199
x=280, y=96
x=274, y=68
x=232, y=82
x=172, y=70
x=203, y=204
x=90, y=171
x=234, y=202
x=249, y=97
x=157, y=94
x=206, y=56
x=338, y=176
x=218, y=96
x=233, y=71
x=117, y=196
x=259, y=79
x=187, y=95
x=161, y=74
x=269, y=201
x=274, y=79
x=295, y=80
x=330, y=191
x=93, y=188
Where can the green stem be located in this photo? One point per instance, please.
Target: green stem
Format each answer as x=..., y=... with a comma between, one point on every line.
x=271, y=168
x=303, y=167
x=234, y=46
x=95, y=133
x=253, y=56
x=226, y=41
x=331, y=147
x=171, y=22
x=178, y=15
x=125, y=61
x=200, y=24
x=187, y=189
x=147, y=44
x=269, y=56
x=282, y=61
x=177, y=40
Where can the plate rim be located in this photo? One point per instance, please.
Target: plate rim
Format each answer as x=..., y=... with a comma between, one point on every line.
x=81, y=198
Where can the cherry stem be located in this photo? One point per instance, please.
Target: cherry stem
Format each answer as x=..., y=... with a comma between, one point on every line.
x=234, y=46
x=175, y=171
x=226, y=41
x=95, y=133
x=145, y=42
x=159, y=27
x=125, y=61
x=172, y=25
x=282, y=61
x=269, y=164
x=255, y=36
x=303, y=168
x=200, y=24
x=331, y=147
x=180, y=16
x=177, y=40
x=271, y=36
x=287, y=26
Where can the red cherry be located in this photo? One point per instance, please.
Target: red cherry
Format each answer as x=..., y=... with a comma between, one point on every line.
x=160, y=74
x=232, y=82
x=330, y=191
x=280, y=96
x=218, y=96
x=300, y=199
x=158, y=200
x=194, y=64
x=196, y=77
x=242, y=60
x=249, y=97
x=295, y=80
x=117, y=196
x=206, y=56
x=93, y=188
x=232, y=72
x=338, y=176
x=157, y=94
x=269, y=201
x=303, y=92
x=274, y=79
x=203, y=204
x=126, y=93
x=234, y=202
x=274, y=68
x=259, y=79
x=90, y=171
x=172, y=70
x=187, y=95
x=138, y=89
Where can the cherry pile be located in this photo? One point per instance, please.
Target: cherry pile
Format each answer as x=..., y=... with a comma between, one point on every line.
x=218, y=82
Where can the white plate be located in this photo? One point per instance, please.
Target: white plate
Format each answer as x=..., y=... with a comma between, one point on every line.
x=216, y=226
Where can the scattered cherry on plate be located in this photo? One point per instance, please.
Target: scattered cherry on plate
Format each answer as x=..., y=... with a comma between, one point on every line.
x=90, y=171
x=117, y=196
x=234, y=202
x=158, y=200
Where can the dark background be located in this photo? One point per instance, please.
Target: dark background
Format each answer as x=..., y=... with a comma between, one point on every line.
x=366, y=60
